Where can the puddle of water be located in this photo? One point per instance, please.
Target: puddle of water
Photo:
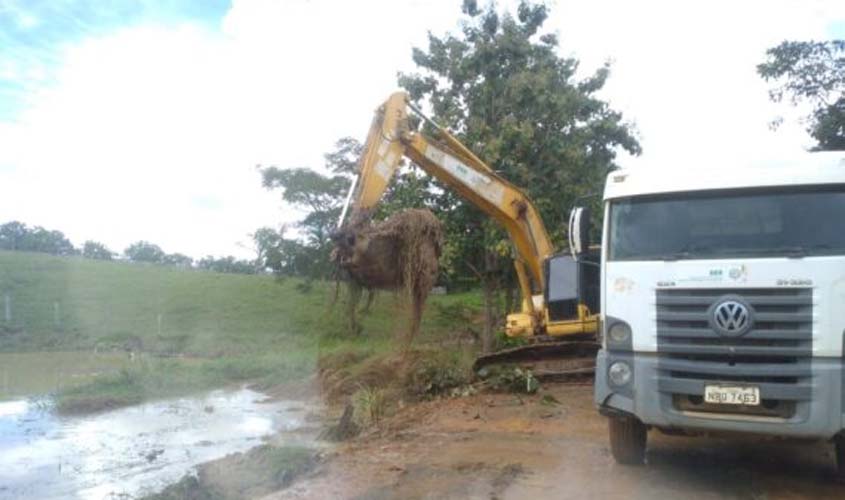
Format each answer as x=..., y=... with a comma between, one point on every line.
x=132, y=451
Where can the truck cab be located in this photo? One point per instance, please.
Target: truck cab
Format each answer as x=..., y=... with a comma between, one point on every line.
x=723, y=302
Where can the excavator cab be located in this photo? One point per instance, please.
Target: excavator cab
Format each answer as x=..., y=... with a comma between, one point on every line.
x=572, y=281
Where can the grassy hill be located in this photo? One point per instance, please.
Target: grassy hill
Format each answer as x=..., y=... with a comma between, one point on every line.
x=75, y=303
x=193, y=329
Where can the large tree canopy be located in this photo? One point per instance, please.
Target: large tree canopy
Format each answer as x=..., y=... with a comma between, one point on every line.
x=813, y=73
x=502, y=87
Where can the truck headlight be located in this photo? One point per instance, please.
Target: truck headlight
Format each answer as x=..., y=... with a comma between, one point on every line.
x=619, y=373
x=619, y=332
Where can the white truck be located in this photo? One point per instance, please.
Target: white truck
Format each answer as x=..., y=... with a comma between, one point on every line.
x=723, y=302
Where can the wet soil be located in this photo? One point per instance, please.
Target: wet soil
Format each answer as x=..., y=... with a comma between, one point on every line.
x=504, y=446
x=242, y=476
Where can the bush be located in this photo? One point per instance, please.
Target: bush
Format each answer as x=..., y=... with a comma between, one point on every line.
x=437, y=374
x=510, y=379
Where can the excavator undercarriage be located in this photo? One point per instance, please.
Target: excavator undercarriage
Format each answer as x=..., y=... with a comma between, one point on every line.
x=548, y=358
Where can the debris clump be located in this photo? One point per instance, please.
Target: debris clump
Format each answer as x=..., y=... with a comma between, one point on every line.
x=400, y=253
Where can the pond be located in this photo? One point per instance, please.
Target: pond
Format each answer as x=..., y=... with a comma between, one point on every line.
x=134, y=451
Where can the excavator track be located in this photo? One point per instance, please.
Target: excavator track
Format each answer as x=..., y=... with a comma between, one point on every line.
x=548, y=359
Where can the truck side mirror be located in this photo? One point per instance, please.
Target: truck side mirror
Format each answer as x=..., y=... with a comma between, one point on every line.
x=579, y=228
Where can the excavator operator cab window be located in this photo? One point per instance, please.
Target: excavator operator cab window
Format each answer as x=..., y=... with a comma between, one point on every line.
x=562, y=289
x=571, y=282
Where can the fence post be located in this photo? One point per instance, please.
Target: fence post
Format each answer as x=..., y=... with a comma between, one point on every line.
x=7, y=299
x=158, y=319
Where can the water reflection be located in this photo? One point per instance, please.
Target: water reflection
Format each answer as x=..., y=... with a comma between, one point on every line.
x=12, y=408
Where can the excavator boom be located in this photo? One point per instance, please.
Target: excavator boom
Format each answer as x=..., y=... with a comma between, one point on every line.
x=445, y=158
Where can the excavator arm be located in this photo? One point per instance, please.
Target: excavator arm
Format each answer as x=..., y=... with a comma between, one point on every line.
x=455, y=166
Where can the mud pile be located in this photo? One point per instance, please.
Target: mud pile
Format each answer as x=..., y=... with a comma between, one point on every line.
x=399, y=253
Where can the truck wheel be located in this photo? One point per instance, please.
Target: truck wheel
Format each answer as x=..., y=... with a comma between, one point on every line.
x=627, y=440
x=839, y=443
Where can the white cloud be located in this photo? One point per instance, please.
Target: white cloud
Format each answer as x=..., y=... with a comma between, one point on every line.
x=148, y=124
x=153, y=132
x=686, y=71
x=141, y=124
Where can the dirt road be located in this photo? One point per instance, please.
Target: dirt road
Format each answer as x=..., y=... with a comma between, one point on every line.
x=503, y=446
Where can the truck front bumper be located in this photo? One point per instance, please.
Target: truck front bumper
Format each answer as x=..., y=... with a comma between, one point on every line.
x=819, y=416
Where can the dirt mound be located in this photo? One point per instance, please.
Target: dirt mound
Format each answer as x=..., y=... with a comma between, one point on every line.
x=399, y=253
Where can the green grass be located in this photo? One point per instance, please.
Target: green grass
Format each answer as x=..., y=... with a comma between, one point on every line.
x=113, y=303
x=150, y=378
x=195, y=329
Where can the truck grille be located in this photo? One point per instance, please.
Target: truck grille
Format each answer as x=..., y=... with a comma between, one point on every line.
x=774, y=355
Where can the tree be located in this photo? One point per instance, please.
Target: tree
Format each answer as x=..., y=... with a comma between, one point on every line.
x=321, y=196
x=410, y=188
x=267, y=241
x=50, y=241
x=501, y=86
x=143, y=251
x=227, y=264
x=95, y=250
x=177, y=260
x=18, y=236
x=13, y=235
x=283, y=256
x=811, y=72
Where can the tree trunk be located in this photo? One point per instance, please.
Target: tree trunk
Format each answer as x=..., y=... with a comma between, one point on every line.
x=491, y=285
x=510, y=292
x=355, y=291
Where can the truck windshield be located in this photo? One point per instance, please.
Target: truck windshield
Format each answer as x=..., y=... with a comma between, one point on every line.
x=726, y=224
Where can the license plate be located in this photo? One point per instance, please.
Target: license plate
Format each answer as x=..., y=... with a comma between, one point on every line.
x=732, y=395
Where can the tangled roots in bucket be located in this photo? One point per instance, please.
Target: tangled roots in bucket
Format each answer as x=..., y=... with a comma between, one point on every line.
x=400, y=253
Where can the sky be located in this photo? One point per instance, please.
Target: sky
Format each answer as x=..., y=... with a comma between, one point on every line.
x=136, y=120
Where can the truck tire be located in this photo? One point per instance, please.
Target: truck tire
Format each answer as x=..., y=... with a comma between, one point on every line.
x=627, y=440
x=839, y=443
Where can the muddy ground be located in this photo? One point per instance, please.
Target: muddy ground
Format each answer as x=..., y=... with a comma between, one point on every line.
x=504, y=446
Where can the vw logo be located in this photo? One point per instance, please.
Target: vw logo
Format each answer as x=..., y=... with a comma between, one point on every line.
x=731, y=317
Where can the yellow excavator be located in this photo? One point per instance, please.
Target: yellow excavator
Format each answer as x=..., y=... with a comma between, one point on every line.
x=559, y=291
